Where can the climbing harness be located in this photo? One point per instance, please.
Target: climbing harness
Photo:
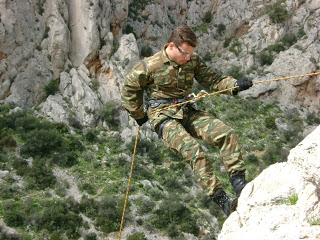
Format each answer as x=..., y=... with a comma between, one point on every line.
x=190, y=99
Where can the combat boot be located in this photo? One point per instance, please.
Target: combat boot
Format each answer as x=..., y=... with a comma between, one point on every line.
x=227, y=204
x=238, y=182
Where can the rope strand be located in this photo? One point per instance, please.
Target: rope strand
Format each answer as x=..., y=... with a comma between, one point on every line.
x=128, y=188
x=179, y=104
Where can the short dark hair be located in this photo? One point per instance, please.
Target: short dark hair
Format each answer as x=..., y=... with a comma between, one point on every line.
x=183, y=34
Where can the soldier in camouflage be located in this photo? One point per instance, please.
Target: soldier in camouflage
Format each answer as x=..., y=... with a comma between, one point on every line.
x=167, y=77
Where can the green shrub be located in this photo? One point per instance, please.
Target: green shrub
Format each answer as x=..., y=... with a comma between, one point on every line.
x=221, y=28
x=107, y=113
x=190, y=227
x=236, y=47
x=52, y=87
x=277, y=12
x=278, y=47
x=137, y=236
x=8, y=191
x=90, y=236
x=271, y=155
x=172, y=231
x=265, y=58
x=289, y=39
x=12, y=214
x=226, y=43
x=71, y=143
x=109, y=213
x=207, y=57
x=172, y=211
x=145, y=205
x=270, y=122
x=40, y=177
x=56, y=216
x=20, y=165
x=146, y=51
x=6, y=140
x=252, y=159
x=64, y=159
x=41, y=142
x=129, y=29
x=91, y=136
x=301, y=33
x=313, y=118
x=88, y=206
x=207, y=17
x=235, y=71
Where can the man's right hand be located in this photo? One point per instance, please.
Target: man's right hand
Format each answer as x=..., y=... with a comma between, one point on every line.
x=141, y=121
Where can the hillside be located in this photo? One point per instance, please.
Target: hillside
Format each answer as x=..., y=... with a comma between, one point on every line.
x=66, y=143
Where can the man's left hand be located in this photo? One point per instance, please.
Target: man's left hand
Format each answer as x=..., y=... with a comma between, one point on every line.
x=243, y=84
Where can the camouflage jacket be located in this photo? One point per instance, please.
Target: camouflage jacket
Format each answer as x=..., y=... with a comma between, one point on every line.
x=162, y=78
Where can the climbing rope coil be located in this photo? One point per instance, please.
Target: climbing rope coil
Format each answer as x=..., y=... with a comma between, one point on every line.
x=194, y=98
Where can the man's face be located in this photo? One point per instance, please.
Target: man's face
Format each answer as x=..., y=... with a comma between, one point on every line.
x=181, y=54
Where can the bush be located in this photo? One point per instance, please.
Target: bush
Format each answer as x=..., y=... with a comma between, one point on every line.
x=64, y=159
x=146, y=51
x=12, y=214
x=252, y=159
x=207, y=17
x=41, y=142
x=20, y=165
x=171, y=211
x=91, y=236
x=278, y=47
x=271, y=155
x=289, y=39
x=265, y=58
x=207, y=57
x=270, y=122
x=277, y=12
x=91, y=136
x=235, y=71
x=40, y=177
x=236, y=47
x=107, y=114
x=137, y=236
x=52, y=87
x=221, y=28
x=109, y=213
x=7, y=140
x=145, y=205
x=56, y=216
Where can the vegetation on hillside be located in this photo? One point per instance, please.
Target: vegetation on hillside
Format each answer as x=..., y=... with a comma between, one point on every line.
x=165, y=197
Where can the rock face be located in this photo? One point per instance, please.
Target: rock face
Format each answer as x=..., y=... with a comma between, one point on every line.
x=283, y=202
x=101, y=40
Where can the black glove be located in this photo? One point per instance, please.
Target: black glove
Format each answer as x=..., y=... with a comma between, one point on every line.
x=141, y=121
x=243, y=83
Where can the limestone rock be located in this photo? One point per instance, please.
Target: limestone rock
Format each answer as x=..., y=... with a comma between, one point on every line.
x=283, y=201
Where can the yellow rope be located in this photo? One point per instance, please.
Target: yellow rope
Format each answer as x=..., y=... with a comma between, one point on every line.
x=179, y=104
x=127, y=195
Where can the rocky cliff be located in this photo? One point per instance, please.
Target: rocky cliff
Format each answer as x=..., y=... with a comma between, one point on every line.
x=88, y=47
x=283, y=202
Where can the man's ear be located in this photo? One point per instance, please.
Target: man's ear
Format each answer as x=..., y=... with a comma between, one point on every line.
x=171, y=45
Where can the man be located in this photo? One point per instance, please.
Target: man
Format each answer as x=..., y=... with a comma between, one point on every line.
x=167, y=77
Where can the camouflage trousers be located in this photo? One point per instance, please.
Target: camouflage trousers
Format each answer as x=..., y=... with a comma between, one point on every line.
x=204, y=126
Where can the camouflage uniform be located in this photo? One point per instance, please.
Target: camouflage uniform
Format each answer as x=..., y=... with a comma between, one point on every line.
x=163, y=78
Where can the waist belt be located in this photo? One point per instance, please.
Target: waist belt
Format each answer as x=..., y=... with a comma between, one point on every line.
x=164, y=101
x=157, y=102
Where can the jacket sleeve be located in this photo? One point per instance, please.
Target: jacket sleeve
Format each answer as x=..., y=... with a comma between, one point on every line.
x=210, y=79
x=132, y=91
